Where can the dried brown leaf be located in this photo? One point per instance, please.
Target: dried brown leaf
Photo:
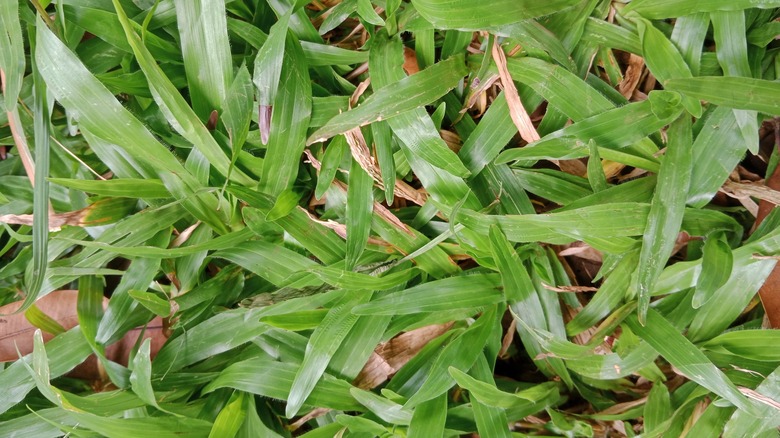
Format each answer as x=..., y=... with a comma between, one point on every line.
x=390, y=356
x=636, y=65
x=519, y=115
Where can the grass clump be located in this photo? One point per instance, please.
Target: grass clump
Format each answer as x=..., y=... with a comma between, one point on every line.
x=394, y=218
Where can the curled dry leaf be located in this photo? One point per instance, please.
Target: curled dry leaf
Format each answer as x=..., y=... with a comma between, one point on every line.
x=582, y=250
x=507, y=340
x=452, y=139
x=184, y=235
x=636, y=65
x=361, y=88
x=410, y=61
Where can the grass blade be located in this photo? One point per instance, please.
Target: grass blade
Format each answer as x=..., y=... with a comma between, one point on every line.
x=681, y=353
x=231, y=417
x=360, y=205
x=428, y=418
x=466, y=15
x=290, y=117
x=460, y=354
x=716, y=266
x=175, y=108
x=664, y=60
x=323, y=344
x=472, y=291
x=419, y=89
x=657, y=9
x=666, y=210
x=732, y=92
x=41, y=207
x=206, y=52
x=268, y=70
x=12, y=61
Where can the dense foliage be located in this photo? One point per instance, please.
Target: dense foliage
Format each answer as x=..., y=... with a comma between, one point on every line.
x=394, y=218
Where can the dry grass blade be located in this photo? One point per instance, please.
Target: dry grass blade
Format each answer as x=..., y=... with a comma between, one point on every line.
x=748, y=189
x=361, y=154
x=518, y=113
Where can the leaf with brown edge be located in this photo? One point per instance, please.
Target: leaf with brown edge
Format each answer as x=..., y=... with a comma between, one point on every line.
x=102, y=212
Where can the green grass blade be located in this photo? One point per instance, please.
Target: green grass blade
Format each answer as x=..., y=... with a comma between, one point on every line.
x=163, y=427
x=556, y=85
x=102, y=116
x=666, y=210
x=323, y=344
x=322, y=242
x=748, y=343
x=231, y=417
x=713, y=317
x=490, y=136
x=206, y=52
x=613, y=129
x=612, y=36
x=289, y=120
x=491, y=420
x=559, y=187
x=660, y=9
x=272, y=262
x=219, y=333
x=140, y=379
x=355, y=280
x=732, y=92
x=688, y=36
x=606, y=221
x=12, y=61
x=719, y=132
x=428, y=418
x=268, y=63
x=40, y=233
x=237, y=110
x=691, y=362
x=466, y=15
x=658, y=408
x=64, y=352
x=488, y=394
x=522, y=297
x=334, y=155
x=426, y=152
x=417, y=90
x=175, y=108
x=383, y=142
x=366, y=11
x=664, y=60
x=717, y=263
x=383, y=408
x=730, y=36
x=743, y=423
x=460, y=354
x=121, y=187
x=360, y=205
x=472, y=291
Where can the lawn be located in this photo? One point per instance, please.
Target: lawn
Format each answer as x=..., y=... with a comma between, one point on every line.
x=392, y=218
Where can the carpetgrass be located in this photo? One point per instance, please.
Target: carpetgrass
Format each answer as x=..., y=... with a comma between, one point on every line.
x=425, y=218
